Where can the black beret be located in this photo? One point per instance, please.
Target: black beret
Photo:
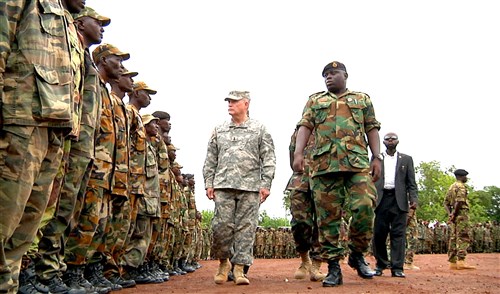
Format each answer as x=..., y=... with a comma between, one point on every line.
x=333, y=65
x=460, y=172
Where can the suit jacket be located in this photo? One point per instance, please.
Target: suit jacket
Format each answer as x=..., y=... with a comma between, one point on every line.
x=405, y=185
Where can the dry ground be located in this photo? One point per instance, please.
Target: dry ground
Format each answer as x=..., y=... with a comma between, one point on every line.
x=276, y=276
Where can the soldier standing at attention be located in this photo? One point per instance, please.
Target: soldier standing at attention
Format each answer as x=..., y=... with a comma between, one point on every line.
x=456, y=205
x=304, y=227
x=238, y=172
x=342, y=121
x=37, y=110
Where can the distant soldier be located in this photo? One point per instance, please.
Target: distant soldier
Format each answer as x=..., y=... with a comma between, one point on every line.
x=456, y=204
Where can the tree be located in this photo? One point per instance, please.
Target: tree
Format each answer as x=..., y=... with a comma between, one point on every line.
x=267, y=222
x=433, y=183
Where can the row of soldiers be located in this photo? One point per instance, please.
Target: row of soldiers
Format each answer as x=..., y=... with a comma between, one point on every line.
x=430, y=238
x=113, y=208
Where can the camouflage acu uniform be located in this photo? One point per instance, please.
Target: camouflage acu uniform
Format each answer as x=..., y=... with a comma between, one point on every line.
x=37, y=108
x=340, y=161
x=460, y=228
x=240, y=161
x=304, y=227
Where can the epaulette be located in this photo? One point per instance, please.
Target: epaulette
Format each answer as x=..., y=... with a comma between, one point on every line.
x=360, y=93
x=317, y=94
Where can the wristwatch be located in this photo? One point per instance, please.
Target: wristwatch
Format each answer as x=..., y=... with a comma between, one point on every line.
x=379, y=156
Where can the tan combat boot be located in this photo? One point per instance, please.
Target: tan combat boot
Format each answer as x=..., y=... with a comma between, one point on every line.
x=453, y=265
x=315, y=273
x=462, y=265
x=239, y=276
x=410, y=266
x=221, y=275
x=304, y=267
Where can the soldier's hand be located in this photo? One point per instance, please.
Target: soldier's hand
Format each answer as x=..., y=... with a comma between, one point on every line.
x=210, y=193
x=263, y=193
x=298, y=162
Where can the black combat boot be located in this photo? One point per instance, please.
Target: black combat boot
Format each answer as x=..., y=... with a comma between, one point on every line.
x=357, y=262
x=184, y=266
x=28, y=283
x=57, y=286
x=334, y=276
x=93, y=273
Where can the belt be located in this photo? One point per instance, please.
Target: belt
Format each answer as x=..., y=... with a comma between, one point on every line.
x=389, y=191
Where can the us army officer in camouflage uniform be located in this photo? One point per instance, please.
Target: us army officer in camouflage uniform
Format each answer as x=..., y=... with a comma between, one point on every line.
x=238, y=172
x=341, y=120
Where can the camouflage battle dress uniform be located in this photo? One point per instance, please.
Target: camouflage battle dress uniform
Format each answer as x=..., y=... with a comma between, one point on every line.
x=304, y=228
x=459, y=228
x=240, y=160
x=340, y=161
x=36, y=110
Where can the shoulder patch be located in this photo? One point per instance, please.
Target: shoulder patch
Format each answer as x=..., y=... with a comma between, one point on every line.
x=317, y=94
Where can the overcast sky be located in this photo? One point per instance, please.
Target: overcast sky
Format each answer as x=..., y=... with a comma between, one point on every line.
x=430, y=68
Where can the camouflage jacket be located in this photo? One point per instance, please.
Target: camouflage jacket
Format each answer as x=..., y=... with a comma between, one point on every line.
x=240, y=157
x=91, y=108
x=150, y=203
x=35, y=64
x=137, y=151
x=102, y=169
x=339, y=126
x=121, y=159
x=456, y=193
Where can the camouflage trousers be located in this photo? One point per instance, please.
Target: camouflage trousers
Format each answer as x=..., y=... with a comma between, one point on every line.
x=459, y=237
x=178, y=243
x=160, y=246
x=303, y=223
x=115, y=236
x=137, y=245
x=234, y=223
x=51, y=245
x=29, y=159
x=169, y=245
x=329, y=192
x=94, y=214
x=411, y=239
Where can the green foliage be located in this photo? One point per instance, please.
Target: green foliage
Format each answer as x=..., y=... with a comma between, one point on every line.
x=206, y=218
x=433, y=184
x=267, y=222
x=432, y=187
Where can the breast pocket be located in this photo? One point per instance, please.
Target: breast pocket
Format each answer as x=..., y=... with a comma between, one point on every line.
x=321, y=111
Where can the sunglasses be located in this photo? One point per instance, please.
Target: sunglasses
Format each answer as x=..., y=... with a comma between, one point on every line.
x=390, y=138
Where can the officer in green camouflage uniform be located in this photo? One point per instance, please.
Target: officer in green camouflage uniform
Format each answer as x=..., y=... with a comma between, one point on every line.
x=456, y=205
x=238, y=171
x=37, y=109
x=95, y=212
x=341, y=120
x=304, y=227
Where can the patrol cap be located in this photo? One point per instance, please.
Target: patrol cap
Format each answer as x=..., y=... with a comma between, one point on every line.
x=131, y=74
x=104, y=50
x=460, y=172
x=142, y=86
x=171, y=147
x=87, y=11
x=238, y=95
x=147, y=118
x=161, y=114
x=333, y=65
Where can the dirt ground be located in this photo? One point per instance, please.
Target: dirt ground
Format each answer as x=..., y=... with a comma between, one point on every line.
x=276, y=276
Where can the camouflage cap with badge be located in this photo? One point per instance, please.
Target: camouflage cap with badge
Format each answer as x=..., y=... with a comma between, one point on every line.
x=335, y=65
x=142, y=86
x=87, y=11
x=147, y=118
x=104, y=50
x=237, y=95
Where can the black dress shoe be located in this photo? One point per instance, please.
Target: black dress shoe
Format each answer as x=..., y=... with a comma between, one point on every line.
x=378, y=271
x=357, y=261
x=398, y=274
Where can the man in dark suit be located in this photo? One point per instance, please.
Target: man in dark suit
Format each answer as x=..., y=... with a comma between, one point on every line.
x=397, y=193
